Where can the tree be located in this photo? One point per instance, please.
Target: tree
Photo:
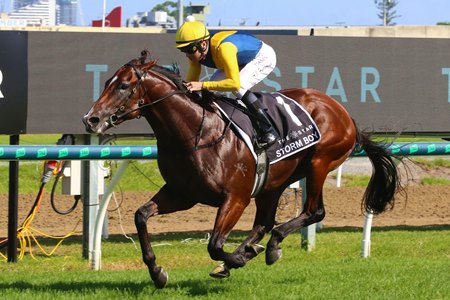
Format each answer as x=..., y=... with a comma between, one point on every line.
x=170, y=7
x=387, y=13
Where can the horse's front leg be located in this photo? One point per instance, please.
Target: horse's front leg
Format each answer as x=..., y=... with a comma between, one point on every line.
x=163, y=202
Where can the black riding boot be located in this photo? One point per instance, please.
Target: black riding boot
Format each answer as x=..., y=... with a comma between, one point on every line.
x=266, y=133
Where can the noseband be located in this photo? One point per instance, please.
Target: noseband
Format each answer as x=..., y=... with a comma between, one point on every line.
x=141, y=77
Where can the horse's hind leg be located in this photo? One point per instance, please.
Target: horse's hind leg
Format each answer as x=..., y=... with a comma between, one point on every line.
x=162, y=203
x=266, y=206
x=313, y=211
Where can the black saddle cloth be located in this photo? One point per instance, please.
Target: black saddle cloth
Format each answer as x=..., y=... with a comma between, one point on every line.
x=296, y=128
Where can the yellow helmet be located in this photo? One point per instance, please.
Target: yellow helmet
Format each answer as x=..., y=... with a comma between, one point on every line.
x=191, y=31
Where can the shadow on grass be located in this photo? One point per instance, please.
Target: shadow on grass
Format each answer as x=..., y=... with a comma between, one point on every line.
x=195, y=288
x=236, y=235
x=77, y=287
x=198, y=288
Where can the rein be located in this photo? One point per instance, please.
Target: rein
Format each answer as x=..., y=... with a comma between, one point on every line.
x=199, y=135
x=117, y=117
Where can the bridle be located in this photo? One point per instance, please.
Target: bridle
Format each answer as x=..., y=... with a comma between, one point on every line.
x=141, y=77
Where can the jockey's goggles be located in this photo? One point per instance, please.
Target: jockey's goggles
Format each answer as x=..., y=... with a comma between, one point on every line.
x=190, y=49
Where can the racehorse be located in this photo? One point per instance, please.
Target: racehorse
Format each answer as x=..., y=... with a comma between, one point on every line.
x=202, y=161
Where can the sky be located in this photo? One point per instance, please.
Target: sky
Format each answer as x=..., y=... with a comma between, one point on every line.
x=284, y=12
x=290, y=12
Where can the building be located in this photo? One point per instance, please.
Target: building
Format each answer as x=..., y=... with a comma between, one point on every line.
x=164, y=20
x=150, y=18
x=198, y=11
x=45, y=12
x=18, y=4
x=35, y=13
x=66, y=12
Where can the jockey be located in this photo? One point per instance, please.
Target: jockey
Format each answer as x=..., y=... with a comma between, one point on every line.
x=241, y=61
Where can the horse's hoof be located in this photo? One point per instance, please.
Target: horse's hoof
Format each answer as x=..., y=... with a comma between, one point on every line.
x=272, y=256
x=255, y=248
x=220, y=272
x=161, y=278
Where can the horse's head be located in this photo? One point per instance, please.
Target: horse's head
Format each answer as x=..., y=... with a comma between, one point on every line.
x=120, y=98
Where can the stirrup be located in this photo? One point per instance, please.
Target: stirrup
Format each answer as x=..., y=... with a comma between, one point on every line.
x=266, y=140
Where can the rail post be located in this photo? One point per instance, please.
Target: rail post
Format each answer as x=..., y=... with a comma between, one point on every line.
x=13, y=204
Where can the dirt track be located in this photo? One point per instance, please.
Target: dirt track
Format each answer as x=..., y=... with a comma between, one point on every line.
x=425, y=205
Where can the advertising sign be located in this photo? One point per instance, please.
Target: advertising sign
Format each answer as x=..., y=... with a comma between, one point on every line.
x=13, y=82
x=387, y=84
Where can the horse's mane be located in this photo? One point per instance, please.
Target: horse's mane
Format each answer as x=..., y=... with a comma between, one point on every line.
x=172, y=72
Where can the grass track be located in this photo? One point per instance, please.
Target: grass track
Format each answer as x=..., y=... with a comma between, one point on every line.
x=406, y=263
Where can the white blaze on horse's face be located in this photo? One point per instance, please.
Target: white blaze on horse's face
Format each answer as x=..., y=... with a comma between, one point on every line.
x=114, y=103
x=112, y=80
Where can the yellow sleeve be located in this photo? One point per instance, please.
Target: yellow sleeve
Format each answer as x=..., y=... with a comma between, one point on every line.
x=194, y=70
x=226, y=59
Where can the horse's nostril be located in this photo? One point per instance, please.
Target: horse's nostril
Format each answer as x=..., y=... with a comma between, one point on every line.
x=94, y=120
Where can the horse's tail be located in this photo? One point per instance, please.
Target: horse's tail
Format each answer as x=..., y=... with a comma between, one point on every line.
x=385, y=181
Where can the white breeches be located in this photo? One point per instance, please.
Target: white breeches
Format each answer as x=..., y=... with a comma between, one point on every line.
x=253, y=72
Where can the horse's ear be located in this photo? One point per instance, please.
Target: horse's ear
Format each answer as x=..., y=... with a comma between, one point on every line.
x=144, y=55
x=149, y=64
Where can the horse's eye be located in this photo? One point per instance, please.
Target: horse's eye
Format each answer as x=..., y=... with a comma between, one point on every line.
x=124, y=86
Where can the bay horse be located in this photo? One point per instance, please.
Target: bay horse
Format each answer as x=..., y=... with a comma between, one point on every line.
x=202, y=161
